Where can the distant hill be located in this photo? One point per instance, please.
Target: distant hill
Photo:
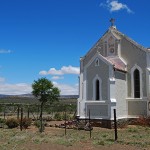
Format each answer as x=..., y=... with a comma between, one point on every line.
x=2, y=95
x=69, y=96
x=31, y=96
x=30, y=99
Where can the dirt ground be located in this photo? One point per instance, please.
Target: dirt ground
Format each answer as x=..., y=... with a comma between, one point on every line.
x=52, y=132
x=81, y=146
x=85, y=145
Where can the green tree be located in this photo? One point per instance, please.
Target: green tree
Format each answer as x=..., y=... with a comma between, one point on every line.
x=45, y=91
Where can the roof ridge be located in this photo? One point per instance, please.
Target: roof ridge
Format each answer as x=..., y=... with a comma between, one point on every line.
x=94, y=45
x=131, y=40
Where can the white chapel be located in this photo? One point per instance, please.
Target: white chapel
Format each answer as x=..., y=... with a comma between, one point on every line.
x=114, y=74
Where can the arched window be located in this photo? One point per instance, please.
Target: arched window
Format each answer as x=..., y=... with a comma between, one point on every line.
x=97, y=62
x=97, y=90
x=136, y=83
x=97, y=94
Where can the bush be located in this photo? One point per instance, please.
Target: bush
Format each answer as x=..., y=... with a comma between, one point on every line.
x=38, y=125
x=122, y=123
x=58, y=117
x=142, y=121
x=68, y=117
x=47, y=118
x=26, y=122
x=12, y=123
x=2, y=120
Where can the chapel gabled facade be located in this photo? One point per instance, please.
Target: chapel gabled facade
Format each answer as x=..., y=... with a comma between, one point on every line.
x=114, y=74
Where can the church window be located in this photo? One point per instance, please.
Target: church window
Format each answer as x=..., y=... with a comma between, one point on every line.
x=97, y=62
x=136, y=83
x=97, y=90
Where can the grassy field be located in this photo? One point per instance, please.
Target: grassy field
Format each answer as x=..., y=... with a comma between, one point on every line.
x=130, y=138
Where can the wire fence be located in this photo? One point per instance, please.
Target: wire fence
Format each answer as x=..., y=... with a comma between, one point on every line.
x=33, y=111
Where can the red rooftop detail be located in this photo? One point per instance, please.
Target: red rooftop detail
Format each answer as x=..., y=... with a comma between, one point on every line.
x=117, y=62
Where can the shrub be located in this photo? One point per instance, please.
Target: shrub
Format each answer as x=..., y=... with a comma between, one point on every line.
x=38, y=125
x=142, y=121
x=122, y=123
x=68, y=117
x=2, y=120
x=47, y=118
x=12, y=123
x=26, y=122
x=58, y=117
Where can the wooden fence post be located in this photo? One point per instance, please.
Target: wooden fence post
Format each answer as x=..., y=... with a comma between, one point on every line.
x=90, y=122
x=4, y=111
x=115, y=125
x=41, y=118
x=21, y=119
x=38, y=111
x=18, y=112
x=28, y=112
x=65, y=120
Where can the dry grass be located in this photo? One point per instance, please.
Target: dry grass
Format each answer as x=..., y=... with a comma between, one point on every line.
x=132, y=137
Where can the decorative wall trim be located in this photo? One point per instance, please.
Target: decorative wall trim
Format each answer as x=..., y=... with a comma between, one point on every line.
x=97, y=55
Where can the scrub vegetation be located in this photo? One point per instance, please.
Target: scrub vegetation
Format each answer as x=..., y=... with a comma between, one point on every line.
x=132, y=137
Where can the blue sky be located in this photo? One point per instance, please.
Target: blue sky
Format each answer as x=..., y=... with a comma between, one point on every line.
x=46, y=38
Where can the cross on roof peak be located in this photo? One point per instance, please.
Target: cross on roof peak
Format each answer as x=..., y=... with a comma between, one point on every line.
x=112, y=20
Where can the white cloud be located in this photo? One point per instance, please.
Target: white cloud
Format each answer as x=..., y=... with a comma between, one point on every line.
x=53, y=71
x=114, y=5
x=2, y=79
x=4, y=51
x=70, y=70
x=67, y=89
x=57, y=77
x=24, y=88
x=43, y=72
x=15, y=89
x=62, y=71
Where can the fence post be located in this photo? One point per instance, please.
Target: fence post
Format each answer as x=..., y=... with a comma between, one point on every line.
x=21, y=118
x=18, y=112
x=65, y=120
x=28, y=112
x=4, y=112
x=90, y=122
x=38, y=111
x=41, y=118
x=115, y=125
